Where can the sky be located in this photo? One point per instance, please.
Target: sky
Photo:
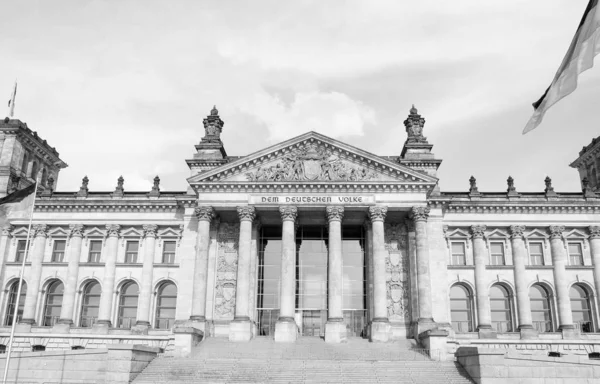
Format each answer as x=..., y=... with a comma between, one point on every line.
x=122, y=87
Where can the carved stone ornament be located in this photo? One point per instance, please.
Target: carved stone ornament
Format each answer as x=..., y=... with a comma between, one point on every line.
x=414, y=127
x=119, y=189
x=334, y=213
x=149, y=230
x=247, y=213
x=76, y=230
x=517, y=231
x=213, y=126
x=377, y=213
x=397, y=273
x=7, y=230
x=83, y=190
x=288, y=212
x=395, y=237
x=556, y=231
x=113, y=230
x=478, y=231
x=594, y=232
x=155, y=192
x=473, y=186
x=310, y=163
x=40, y=230
x=225, y=285
x=420, y=213
x=204, y=213
x=228, y=237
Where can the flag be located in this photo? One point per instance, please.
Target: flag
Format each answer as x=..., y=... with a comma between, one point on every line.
x=11, y=102
x=580, y=57
x=17, y=205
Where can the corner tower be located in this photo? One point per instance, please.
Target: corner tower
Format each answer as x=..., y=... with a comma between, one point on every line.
x=210, y=153
x=588, y=165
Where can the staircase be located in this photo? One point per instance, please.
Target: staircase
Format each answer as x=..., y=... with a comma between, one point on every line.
x=309, y=360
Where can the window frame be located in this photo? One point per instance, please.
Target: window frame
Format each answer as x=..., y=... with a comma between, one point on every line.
x=542, y=255
x=508, y=299
x=135, y=254
x=18, y=257
x=470, y=307
x=158, y=307
x=548, y=302
x=121, y=306
x=89, y=258
x=589, y=304
x=85, y=294
x=580, y=244
x=64, y=252
x=11, y=302
x=493, y=256
x=47, y=319
x=452, y=254
x=174, y=253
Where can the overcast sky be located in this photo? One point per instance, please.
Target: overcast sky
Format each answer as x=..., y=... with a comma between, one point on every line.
x=121, y=87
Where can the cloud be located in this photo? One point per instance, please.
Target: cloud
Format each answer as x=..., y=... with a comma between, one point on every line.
x=333, y=114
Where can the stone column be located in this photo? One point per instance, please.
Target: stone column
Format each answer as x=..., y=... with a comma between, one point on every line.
x=380, y=325
x=240, y=329
x=144, y=303
x=480, y=257
x=595, y=249
x=523, y=301
x=335, y=328
x=286, y=329
x=425, y=322
x=559, y=259
x=68, y=304
x=40, y=233
x=108, y=283
x=4, y=242
x=204, y=214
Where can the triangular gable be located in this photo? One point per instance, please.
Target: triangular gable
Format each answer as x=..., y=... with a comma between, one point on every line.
x=314, y=158
x=58, y=232
x=575, y=233
x=497, y=233
x=20, y=232
x=131, y=232
x=95, y=232
x=458, y=233
x=536, y=233
x=169, y=232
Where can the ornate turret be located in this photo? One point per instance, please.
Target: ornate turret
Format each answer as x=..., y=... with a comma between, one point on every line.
x=210, y=153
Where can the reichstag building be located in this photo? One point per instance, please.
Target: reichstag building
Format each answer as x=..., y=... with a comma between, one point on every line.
x=308, y=237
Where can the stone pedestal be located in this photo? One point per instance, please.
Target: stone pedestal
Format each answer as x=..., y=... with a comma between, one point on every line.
x=569, y=332
x=140, y=329
x=435, y=341
x=61, y=328
x=286, y=331
x=527, y=332
x=486, y=332
x=380, y=331
x=241, y=330
x=186, y=338
x=101, y=328
x=424, y=325
x=335, y=331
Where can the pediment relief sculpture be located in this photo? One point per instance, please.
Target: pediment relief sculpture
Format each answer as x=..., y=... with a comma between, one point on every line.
x=311, y=163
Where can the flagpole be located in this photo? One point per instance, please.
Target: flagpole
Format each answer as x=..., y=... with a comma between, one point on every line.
x=18, y=299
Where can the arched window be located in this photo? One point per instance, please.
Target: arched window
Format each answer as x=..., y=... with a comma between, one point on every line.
x=128, y=302
x=90, y=304
x=461, y=308
x=34, y=170
x=12, y=302
x=541, y=313
x=25, y=163
x=500, y=304
x=580, y=307
x=165, y=306
x=54, y=298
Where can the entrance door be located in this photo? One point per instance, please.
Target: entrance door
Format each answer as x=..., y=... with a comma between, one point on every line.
x=313, y=323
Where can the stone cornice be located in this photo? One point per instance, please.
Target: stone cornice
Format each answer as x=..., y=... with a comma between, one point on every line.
x=521, y=207
x=589, y=151
x=313, y=187
x=113, y=205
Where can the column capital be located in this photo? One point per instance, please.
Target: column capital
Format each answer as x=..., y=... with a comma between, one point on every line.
x=517, y=231
x=288, y=212
x=594, y=231
x=377, y=213
x=150, y=230
x=334, y=213
x=246, y=213
x=76, y=230
x=7, y=230
x=419, y=213
x=113, y=230
x=40, y=230
x=556, y=231
x=204, y=213
x=478, y=231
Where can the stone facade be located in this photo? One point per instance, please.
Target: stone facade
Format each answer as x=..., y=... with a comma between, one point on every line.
x=122, y=265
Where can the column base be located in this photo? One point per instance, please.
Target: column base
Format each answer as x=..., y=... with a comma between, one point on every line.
x=425, y=324
x=380, y=331
x=140, y=328
x=527, y=332
x=286, y=331
x=240, y=330
x=62, y=327
x=335, y=331
x=101, y=327
x=568, y=331
x=486, y=332
x=192, y=323
x=23, y=328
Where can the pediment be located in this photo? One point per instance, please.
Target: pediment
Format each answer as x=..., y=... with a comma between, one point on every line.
x=458, y=233
x=536, y=233
x=95, y=232
x=132, y=232
x=575, y=233
x=58, y=232
x=170, y=232
x=314, y=158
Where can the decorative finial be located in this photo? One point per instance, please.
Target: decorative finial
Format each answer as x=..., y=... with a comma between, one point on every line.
x=155, y=188
x=473, y=186
x=83, y=190
x=213, y=125
x=512, y=191
x=549, y=188
x=413, y=110
x=414, y=127
x=214, y=111
x=119, y=191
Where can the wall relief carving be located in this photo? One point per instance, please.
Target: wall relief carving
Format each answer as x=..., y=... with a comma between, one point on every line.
x=227, y=239
x=311, y=163
x=397, y=273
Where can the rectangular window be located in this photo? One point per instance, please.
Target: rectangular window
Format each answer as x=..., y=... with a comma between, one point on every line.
x=575, y=254
x=458, y=253
x=20, y=251
x=95, y=251
x=58, y=252
x=168, y=255
x=131, y=252
x=497, y=251
x=536, y=253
